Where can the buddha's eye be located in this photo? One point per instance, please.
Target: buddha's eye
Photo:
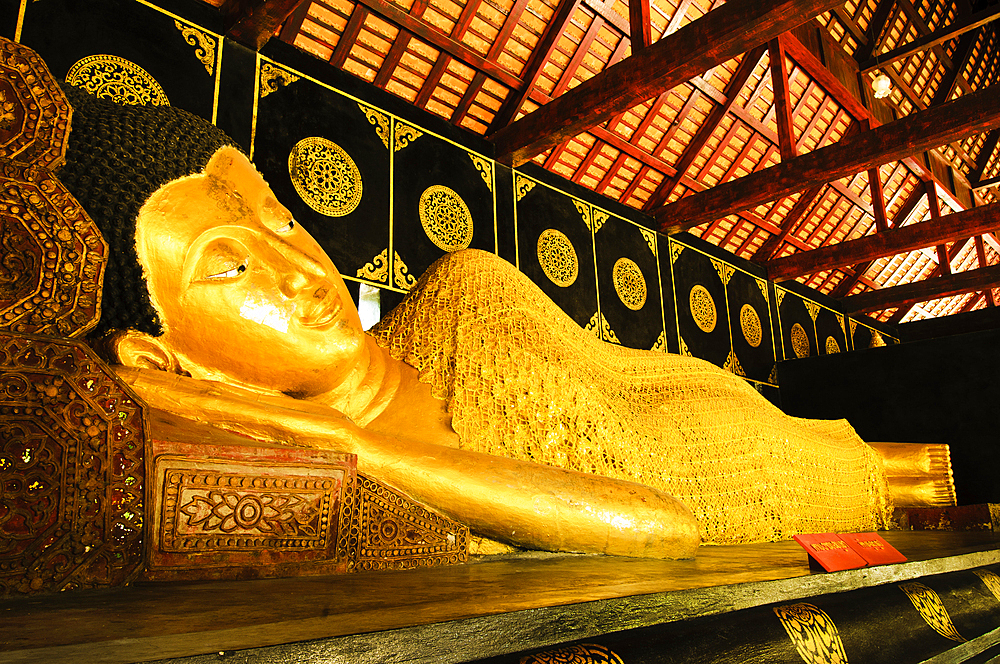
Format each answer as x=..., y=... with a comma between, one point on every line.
x=234, y=272
x=287, y=227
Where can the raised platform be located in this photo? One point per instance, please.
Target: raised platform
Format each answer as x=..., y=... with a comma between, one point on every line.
x=488, y=608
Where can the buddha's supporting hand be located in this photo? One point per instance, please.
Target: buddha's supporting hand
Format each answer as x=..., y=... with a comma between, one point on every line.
x=526, y=504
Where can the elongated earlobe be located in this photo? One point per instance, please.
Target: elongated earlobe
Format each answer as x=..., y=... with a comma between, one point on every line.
x=140, y=350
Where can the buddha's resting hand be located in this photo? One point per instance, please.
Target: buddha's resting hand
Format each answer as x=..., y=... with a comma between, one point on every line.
x=526, y=504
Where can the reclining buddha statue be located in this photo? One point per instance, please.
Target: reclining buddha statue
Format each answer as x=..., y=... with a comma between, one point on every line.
x=477, y=395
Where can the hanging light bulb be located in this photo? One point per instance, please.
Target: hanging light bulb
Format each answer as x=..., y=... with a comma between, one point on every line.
x=882, y=86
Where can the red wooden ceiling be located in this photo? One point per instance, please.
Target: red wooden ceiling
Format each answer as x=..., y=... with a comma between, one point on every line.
x=483, y=63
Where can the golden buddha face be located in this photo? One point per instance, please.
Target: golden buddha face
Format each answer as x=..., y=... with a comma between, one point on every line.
x=245, y=294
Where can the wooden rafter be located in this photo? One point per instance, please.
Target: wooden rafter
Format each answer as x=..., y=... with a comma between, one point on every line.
x=904, y=308
x=932, y=39
x=772, y=244
x=539, y=56
x=967, y=115
x=638, y=19
x=925, y=290
x=430, y=34
x=983, y=262
x=720, y=35
x=253, y=23
x=945, y=229
x=704, y=133
x=782, y=101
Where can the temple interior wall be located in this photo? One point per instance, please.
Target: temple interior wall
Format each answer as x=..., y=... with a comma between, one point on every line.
x=387, y=188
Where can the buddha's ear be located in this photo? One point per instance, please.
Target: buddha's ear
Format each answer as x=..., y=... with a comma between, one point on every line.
x=140, y=350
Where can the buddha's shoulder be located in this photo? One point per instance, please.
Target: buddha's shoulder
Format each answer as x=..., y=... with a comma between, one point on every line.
x=473, y=260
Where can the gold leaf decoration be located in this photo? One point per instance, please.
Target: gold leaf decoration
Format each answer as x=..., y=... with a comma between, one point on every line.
x=117, y=79
x=779, y=294
x=702, y=308
x=750, y=325
x=832, y=347
x=813, y=633
x=522, y=186
x=584, y=211
x=725, y=270
x=812, y=308
x=661, y=343
x=594, y=325
x=484, y=167
x=583, y=653
x=854, y=327
x=800, y=341
x=204, y=45
x=325, y=176
x=773, y=377
x=877, y=340
x=405, y=134
x=629, y=283
x=733, y=364
x=991, y=580
x=650, y=238
x=762, y=285
x=599, y=217
x=401, y=274
x=599, y=326
x=273, y=79
x=675, y=251
x=445, y=218
x=684, y=350
x=930, y=607
x=378, y=120
x=557, y=257
x=377, y=269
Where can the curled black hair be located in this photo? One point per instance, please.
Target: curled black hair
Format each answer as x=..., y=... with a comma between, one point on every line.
x=118, y=156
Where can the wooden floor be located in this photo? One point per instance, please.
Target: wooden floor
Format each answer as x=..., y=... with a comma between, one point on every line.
x=483, y=608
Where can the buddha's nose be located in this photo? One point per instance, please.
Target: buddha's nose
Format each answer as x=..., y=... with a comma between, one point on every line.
x=299, y=271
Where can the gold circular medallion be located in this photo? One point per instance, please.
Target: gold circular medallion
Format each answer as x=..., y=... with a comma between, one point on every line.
x=117, y=79
x=629, y=283
x=832, y=347
x=557, y=257
x=703, y=308
x=800, y=341
x=325, y=176
x=750, y=324
x=446, y=218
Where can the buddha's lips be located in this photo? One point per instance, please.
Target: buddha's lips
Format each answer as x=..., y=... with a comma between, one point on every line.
x=325, y=311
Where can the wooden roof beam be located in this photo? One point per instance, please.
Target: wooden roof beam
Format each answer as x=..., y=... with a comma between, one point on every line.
x=720, y=35
x=947, y=228
x=967, y=115
x=932, y=39
x=253, y=22
x=638, y=21
x=934, y=288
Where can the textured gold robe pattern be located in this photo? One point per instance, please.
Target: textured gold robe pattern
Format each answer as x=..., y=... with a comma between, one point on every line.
x=524, y=381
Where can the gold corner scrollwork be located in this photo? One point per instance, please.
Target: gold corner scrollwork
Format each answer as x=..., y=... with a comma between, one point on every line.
x=584, y=211
x=203, y=43
x=601, y=328
x=733, y=365
x=378, y=120
x=725, y=270
x=522, y=186
x=773, y=377
x=684, y=350
x=854, y=326
x=779, y=295
x=401, y=274
x=930, y=607
x=600, y=217
x=813, y=633
x=377, y=269
x=404, y=134
x=484, y=167
x=762, y=285
x=661, y=343
x=650, y=238
x=812, y=308
x=676, y=248
x=274, y=78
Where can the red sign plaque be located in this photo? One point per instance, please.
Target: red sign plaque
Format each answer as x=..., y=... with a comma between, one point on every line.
x=835, y=552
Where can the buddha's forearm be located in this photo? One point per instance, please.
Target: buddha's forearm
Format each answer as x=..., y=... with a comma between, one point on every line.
x=533, y=505
x=526, y=504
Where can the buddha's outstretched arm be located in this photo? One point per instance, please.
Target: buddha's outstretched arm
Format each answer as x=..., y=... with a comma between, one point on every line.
x=526, y=504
